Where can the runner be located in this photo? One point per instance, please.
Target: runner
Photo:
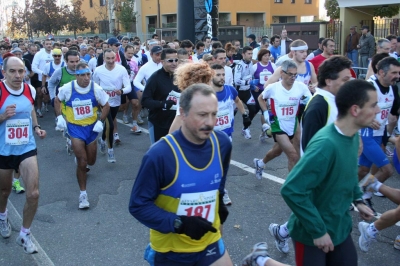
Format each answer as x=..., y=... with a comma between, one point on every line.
x=285, y=97
x=82, y=98
x=18, y=123
x=388, y=101
x=320, y=111
x=115, y=81
x=183, y=233
x=39, y=61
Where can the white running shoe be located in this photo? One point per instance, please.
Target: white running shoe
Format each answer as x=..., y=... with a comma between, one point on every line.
x=281, y=243
x=39, y=113
x=227, y=201
x=27, y=244
x=83, y=201
x=246, y=133
x=111, y=157
x=396, y=244
x=102, y=145
x=364, y=241
x=125, y=119
x=140, y=120
x=5, y=228
x=117, y=141
x=258, y=169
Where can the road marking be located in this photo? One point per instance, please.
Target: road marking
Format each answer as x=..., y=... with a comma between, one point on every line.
x=248, y=169
x=41, y=258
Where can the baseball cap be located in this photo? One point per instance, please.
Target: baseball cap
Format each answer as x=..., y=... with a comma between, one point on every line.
x=252, y=36
x=16, y=50
x=56, y=52
x=365, y=27
x=112, y=41
x=156, y=50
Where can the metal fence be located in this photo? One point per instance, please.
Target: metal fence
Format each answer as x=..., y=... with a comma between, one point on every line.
x=333, y=31
x=259, y=31
x=380, y=28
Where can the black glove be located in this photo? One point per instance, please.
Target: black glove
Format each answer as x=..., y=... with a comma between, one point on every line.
x=167, y=104
x=195, y=227
x=222, y=210
x=246, y=120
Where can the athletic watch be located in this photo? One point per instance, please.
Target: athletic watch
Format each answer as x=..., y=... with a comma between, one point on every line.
x=177, y=224
x=34, y=127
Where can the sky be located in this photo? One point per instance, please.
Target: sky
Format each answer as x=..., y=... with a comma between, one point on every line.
x=322, y=11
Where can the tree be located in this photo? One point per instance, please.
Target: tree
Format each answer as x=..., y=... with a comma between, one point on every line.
x=46, y=17
x=125, y=13
x=332, y=9
x=75, y=18
x=17, y=24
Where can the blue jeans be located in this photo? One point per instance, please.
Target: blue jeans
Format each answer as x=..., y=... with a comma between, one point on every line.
x=364, y=63
x=151, y=132
x=353, y=56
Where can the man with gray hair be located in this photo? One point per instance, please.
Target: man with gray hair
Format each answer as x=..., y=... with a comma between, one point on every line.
x=382, y=46
x=184, y=230
x=285, y=97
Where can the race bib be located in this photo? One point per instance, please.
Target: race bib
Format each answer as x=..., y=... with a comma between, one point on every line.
x=223, y=120
x=82, y=109
x=287, y=111
x=111, y=92
x=198, y=204
x=382, y=117
x=17, y=131
x=174, y=96
x=264, y=76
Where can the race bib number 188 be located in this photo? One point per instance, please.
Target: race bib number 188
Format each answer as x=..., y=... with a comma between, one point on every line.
x=198, y=204
x=17, y=131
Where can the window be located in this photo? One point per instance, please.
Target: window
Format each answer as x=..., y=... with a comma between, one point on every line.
x=278, y=1
x=307, y=1
x=102, y=2
x=91, y=3
x=293, y=1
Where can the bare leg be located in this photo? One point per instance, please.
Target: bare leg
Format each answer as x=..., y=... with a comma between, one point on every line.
x=388, y=219
x=5, y=187
x=272, y=153
x=288, y=148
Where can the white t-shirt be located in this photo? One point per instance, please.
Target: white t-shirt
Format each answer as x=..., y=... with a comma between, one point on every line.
x=111, y=81
x=65, y=92
x=46, y=68
x=145, y=72
x=285, y=104
x=228, y=76
x=282, y=59
x=92, y=64
x=39, y=61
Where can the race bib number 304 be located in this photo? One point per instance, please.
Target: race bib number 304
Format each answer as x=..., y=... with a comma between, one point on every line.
x=17, y=131
x=198, y=204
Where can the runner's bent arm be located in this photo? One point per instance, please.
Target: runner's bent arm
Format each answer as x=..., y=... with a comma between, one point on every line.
x=137, y=82
x=53, y=82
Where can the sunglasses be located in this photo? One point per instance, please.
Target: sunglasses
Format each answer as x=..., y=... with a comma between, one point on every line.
x=172, y=60
x=117, y=45
x=55, y=55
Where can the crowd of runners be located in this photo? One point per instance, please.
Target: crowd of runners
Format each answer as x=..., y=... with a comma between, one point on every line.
x=336, y=129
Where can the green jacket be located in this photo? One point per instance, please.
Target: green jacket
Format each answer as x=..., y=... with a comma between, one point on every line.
x=321, y=187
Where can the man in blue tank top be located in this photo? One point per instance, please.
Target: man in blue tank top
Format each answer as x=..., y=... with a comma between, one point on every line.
x=180, y=185
x=18, y=123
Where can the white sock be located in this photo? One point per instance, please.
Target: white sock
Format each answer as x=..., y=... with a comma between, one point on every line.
x=367, y=195
x=283, y=230
x=3, y=215
x=111, y=150
x=262, y=260
x=261, y=163
x=83, y=193
x=14, y=180
x=24, y=231
x=377, y=186
x=372, y=231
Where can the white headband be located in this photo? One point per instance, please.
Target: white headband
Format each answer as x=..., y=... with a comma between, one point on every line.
x=299, y=48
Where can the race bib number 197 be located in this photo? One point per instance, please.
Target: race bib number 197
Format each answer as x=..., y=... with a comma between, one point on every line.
x=17, y=131
x=198, y=204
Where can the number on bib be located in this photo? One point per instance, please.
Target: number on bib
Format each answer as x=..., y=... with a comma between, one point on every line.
x=17, y=131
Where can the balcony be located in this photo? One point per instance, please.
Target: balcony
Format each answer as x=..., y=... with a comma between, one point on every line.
x=169, y=25
x=250, y=23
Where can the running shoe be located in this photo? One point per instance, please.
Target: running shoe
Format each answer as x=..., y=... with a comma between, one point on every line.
x=125, y=119
x=378, y=194
x=397, y=243
x=117, y=141
x=364, y=241
x=39, y=113
x=16, y=186
x=111, y=157
x=27, y=244
x=102, y=145
x=143, y=113
x=69, y=147
x=140, y=120
x=367, y=183
x=227, y=201
x=281, y=243
x=83, y=201
x=396, y=131
x=369, y=203
x=263, y=137
x=5, y=228
x=258, y=169
x=388, y=151
x=46, y=107
x=246, y=133
x=136, y=130
x=258, y=250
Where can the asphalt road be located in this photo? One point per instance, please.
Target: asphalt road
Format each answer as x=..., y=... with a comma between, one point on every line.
x=106, y=234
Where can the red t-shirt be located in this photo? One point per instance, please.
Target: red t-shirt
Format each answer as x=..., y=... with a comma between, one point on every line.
x=317, y=61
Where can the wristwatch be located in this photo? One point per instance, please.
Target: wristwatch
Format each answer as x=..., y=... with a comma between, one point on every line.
x=34, y=128
x=177, y=223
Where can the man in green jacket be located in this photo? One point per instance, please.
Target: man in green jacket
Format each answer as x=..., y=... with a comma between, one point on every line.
x=321, y=186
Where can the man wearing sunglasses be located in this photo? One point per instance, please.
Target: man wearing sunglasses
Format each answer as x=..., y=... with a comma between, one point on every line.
x=161, y=95
x=49, y=69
